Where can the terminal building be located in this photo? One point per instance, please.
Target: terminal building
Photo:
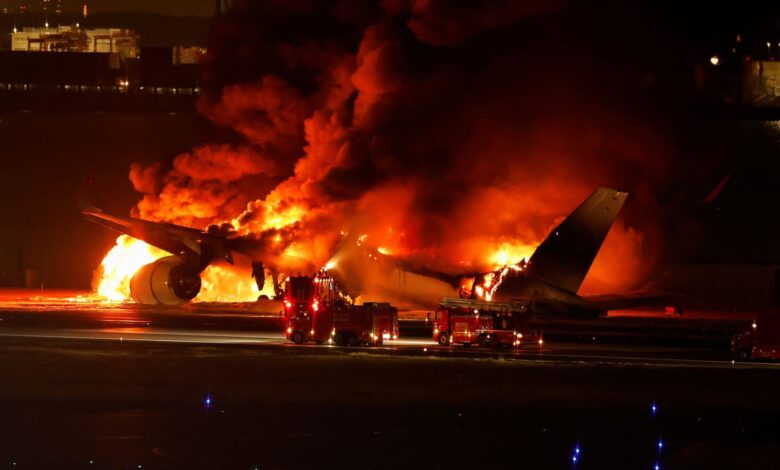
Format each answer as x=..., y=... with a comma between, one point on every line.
x=101, y=68
x=73, y=39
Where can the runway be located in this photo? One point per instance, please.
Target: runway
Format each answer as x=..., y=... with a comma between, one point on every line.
x=94, y=385
x=77, y=316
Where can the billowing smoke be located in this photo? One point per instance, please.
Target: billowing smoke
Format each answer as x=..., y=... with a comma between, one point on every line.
x=444, y=131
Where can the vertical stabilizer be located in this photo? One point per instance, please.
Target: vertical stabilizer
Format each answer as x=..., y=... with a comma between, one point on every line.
x=565, y=256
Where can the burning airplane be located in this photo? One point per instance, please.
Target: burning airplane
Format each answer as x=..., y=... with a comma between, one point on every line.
x=447, y=153
x=549, y=280
x=547, y=283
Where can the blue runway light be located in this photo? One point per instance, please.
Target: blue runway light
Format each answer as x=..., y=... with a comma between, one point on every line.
x=653, y=409
x=657, y=467
x=660, y=444
x=207, y=401
x=577, y=449
x=574, y=459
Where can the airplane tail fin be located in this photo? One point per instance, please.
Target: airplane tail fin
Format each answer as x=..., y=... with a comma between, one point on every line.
x=565, y=256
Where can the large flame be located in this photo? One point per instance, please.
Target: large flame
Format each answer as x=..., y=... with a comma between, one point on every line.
x=510, y=254
x=220, y=283
x=230, y=284
x=121, y=263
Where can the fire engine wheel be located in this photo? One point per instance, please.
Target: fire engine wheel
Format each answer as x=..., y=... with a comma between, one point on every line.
x=444, y=340
x=743, y=354
x=352, y=341
x=340, y=339
x=297, y=337
x=482, y=341
x=320, y=342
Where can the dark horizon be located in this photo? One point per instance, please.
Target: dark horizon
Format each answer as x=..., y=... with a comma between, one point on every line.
x=203, y=8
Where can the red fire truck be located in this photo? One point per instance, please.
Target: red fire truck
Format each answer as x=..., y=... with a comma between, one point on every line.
x=760, y=341
x=300, y=296
x=488, y=324
x=345, y=324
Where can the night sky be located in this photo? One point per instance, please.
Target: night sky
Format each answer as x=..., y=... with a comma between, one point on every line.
x=166, y=7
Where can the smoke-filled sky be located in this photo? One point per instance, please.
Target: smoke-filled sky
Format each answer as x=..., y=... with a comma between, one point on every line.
x=445, y=130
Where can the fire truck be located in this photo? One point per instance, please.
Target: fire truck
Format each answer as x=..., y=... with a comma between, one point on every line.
x=315, y=312
x=487, y=324
x=344, y=324
x=760, y=341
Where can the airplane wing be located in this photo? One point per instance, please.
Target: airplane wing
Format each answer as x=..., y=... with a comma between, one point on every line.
x=174, y=239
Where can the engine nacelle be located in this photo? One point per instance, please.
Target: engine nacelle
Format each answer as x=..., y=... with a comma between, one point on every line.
x=166, y=281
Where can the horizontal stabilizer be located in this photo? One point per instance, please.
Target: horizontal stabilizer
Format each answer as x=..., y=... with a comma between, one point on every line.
x=619, y=302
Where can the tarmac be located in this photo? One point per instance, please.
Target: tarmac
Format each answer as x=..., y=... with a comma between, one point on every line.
x=93, y=385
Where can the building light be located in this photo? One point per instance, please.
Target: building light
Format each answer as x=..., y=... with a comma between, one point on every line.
x=714, y=60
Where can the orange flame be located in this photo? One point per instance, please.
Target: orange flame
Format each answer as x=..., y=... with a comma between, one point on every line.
x=121, y=263
x=219, y=283
x=230, y=284
x=510, y=254
x=507, y=256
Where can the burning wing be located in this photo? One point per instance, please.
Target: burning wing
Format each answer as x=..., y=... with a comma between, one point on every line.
x=174, y=239
x=173, y=279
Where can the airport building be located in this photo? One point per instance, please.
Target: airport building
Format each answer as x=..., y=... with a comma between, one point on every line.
x=56, y=67
x=123, y=42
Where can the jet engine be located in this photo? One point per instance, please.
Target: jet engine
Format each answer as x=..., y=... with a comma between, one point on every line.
x=166, y=281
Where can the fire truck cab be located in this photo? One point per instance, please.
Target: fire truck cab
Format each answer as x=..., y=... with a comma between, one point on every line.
x=301, y=303
x=487, y=324
x=300, y=296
